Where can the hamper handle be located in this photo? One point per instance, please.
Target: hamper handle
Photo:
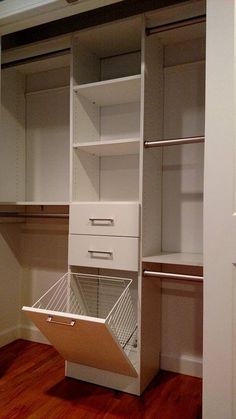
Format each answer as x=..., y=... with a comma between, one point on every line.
x=50, y=320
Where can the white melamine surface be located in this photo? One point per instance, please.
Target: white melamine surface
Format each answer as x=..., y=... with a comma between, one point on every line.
x=108, y=219
x=110, y=148
x=112, y=40
x=47, y=163
x=192, y=259
x=219, y=371
x=112, y=92
x=88, y=342
x=12, y=145
x=184, y=100
x=182, y=198
x=124, y=252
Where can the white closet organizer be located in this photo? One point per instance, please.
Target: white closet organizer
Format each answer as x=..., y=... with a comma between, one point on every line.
x=131, y=207
x=35, y=126
x=106, y=93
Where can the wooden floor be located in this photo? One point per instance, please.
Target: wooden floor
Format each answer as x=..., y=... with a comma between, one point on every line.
x=32, y=385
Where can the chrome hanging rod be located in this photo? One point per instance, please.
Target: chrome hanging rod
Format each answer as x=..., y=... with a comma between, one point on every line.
x=31, y=215
x=175, y=25
x=167, y=275
x=173, y=141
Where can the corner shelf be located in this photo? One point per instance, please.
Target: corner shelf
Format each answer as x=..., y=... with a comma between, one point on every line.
x=110, y=148
x=112, y=92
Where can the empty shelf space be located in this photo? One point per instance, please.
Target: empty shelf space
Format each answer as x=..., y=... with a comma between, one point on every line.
x=110, y=148
x=112, y=92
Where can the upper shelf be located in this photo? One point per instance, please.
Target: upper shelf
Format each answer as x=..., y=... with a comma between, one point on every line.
x=112, y=92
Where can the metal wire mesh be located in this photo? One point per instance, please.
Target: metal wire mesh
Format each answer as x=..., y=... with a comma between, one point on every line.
x=95, y=296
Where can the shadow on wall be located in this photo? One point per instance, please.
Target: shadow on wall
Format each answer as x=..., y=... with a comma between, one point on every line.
x=34, y=245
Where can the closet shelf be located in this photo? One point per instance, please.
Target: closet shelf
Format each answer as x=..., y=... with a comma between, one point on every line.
x=191, y=259
x=112, y=92
x=110, y=148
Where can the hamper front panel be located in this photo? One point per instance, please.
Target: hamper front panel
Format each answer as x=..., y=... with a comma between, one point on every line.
x=108, y=219
x=83, y=342
x=104, y=252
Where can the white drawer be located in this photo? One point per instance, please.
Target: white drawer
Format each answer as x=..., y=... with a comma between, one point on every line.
x=104, y=252
x=108, y=219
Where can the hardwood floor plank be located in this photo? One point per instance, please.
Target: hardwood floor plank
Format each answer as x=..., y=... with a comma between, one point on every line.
x=33, y=386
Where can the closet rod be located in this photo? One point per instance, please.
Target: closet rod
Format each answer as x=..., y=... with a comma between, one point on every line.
x=174, y=141
x=34, y=58
x=31, y=215
x=167, y=275
x=176, y=25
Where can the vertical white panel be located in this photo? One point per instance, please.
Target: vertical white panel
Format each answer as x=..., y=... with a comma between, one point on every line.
x=12, y=142
x=152, y=158
x=48, y=145
x=10, y=276
x=152, y=129
x=184, y=100
x=219, y=229
x=119, y=178
x=182, y=226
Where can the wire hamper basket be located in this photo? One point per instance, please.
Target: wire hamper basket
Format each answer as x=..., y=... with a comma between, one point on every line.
x=96, y=297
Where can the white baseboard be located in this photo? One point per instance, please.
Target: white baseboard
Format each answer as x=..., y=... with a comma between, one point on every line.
x=188, y=365
x=9, y=335
x=32, y=334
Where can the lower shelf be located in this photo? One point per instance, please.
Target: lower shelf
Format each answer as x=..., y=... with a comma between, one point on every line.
x=90, y=320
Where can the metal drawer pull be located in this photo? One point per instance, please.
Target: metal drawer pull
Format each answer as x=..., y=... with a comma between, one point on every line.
x=102, y=221
x=166, y=275
x=109, y=253
x=50, y=320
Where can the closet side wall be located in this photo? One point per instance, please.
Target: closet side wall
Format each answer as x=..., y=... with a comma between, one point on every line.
x=10, y=282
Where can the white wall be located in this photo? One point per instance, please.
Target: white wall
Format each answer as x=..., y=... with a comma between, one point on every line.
x=44, y=248
x=10, y=282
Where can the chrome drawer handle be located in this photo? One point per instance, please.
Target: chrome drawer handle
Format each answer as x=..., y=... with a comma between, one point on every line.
x=50, y=320
x=101, y=221
x=100, y=252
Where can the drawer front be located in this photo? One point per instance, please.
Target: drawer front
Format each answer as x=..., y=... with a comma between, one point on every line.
x=104, y=252
x=80, y=338
x=108, y=219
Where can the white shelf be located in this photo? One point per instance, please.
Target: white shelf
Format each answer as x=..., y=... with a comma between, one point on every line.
x=112, y=92
x=191, y=259
x=110, y=148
